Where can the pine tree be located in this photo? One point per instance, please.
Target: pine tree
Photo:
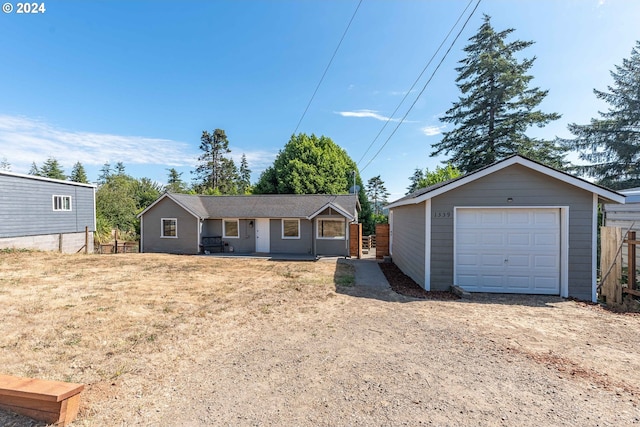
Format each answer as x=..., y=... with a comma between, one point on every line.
x=51, y=168
x=377, y=194
x=119, y=168
x=175, y=184
x=5, y=165
x=78, y=174
x=611, y=143
x=105, y=173
x=244, y=183
x=418, y=175
x=496, y=107
x=34, y=169
x=213, y=165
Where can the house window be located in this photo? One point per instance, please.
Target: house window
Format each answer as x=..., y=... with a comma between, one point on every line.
x=169, y=228
x=61, y=203
x=290, y=228
x=331, y=229
x=230, y=228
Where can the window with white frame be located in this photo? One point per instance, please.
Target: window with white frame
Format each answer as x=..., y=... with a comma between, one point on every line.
x=290, y=228
x=61, y=203
x=169, y=227
x=231, y=228
x=331, y=229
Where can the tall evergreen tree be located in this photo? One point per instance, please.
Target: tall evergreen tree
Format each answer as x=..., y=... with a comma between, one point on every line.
x=34, y=169
x=213, y=167
x=175, y=184
x=78, y=174
x=119, y=169
x=51, y=168
x=5, y=165
x=244, y=183
x=105, y=173
x=377, y=194
x=418, y=175
x=496, y=107
x=611, y=143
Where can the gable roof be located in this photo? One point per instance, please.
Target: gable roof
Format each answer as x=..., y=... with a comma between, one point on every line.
x=426, y=193
x=263, y=205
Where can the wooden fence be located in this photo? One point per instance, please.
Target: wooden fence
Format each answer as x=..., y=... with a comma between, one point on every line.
x=614, y=284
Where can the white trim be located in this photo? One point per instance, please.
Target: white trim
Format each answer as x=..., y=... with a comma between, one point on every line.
x=42, y=178
x=282, y=229
x=427, y=245
x=594, y=251
x=564, y=240
x=62, y=198
x=224, y=229
x=564, y=250
x=162, y=220
x=168, y=195
x=585, y=185
x=334, y=220
x=391, y=232
x=337, y=208
x=141, y=235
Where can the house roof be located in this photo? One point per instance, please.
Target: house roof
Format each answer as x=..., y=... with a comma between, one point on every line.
x=264, y=206
x=426, y=193
x=42, y=178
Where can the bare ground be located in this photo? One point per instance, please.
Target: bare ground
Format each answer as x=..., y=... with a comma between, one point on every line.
x=178, y=340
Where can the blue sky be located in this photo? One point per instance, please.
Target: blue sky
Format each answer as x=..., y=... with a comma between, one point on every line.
x=138, y=81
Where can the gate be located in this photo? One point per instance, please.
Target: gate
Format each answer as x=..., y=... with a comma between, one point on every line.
x=382, y=240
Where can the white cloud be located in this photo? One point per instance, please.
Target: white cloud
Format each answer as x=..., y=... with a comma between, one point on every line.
x=366, y=113
x=432, y=130
x=24, y=140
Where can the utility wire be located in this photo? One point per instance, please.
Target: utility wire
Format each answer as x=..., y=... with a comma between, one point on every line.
x=328, y=65
x=425, y=85
x=416, y=81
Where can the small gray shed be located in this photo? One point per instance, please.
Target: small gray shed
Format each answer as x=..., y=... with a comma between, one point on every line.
x=46, y=214
x=516, y=226
x=310, y=224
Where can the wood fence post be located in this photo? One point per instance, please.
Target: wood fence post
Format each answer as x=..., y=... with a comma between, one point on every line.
x=611, y=264
x=86, y=239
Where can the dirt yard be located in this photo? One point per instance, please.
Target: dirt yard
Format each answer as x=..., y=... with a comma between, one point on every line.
x=181, y=340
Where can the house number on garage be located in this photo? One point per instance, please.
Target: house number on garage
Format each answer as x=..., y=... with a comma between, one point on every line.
x=442, y=214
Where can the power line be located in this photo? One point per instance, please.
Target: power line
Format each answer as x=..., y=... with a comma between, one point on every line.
x=416, y=81
x=328, y=65
x=425, y=85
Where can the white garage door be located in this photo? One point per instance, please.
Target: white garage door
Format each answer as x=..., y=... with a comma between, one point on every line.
x=514, y=250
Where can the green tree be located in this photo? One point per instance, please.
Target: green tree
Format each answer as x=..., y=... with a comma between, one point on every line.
x=377, y=194
x=244, y=182
x=119, y=168
x=214, y=170
x=497, y=106
x=611, y=143
x=440, y=174
x=418, y=175
x=51, y=168
x=314, y=165
x=175, y=184
x=105, y=173
x=34, y=169
x=78, y=174
x=5, y=165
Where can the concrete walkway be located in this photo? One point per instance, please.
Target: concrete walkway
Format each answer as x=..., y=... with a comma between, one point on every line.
x=369, y=275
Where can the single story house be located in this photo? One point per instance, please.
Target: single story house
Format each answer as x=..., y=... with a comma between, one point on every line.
x=293, y=224
x=626, y=216
x=46, y=214
x=516, y=226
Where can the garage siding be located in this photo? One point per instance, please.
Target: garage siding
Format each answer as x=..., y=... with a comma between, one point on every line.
x=187, y=241
x=527, y=188
x=409, y=241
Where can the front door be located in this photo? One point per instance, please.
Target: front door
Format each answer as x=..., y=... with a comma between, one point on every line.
x=262, y=235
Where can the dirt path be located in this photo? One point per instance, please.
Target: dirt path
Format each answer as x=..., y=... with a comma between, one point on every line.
x=338, y=355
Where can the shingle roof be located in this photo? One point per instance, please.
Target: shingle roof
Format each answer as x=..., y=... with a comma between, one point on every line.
x=264, y=206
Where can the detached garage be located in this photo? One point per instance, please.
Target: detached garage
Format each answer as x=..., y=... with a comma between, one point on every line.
x=516, y=226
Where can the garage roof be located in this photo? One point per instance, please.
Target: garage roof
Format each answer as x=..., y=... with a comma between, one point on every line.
x=419, y=196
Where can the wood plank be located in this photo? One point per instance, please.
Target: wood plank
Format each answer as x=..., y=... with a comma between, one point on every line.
x=36, y=388
x=631, y=291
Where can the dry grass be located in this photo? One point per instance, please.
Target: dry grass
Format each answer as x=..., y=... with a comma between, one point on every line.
x=93, y=319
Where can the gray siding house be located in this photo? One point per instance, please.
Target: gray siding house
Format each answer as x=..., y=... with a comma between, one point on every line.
x=291, y=224
x=516, y=226
x=45, y=214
